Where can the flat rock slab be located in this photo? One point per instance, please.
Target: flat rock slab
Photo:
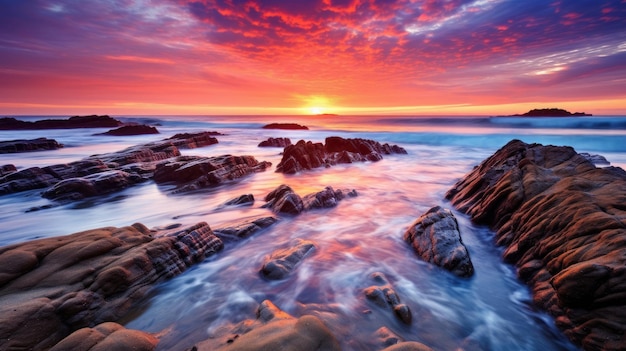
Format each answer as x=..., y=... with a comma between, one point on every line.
x=28, y=145
x=54, y=286
x=562, y=221
x=129, y=130
x=435, y=238
x=275, y=330
x=306, y=155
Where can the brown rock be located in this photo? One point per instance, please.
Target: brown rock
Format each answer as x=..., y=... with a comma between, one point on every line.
x=383, y=295
x=276, y=330
x=127, y=130
x=51, y=287
x=435, y=237
x=107, y=336
x=282, y=262
x=242, y=229
x=275, y=142
x=563, y=223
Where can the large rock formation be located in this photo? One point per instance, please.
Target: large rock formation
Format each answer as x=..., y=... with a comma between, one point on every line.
x=308, y=155
x=52, y=287
x=563, y=224
x=435, y=237
x=93, y=121
x=275, y=330
x=107, y=336
x=39, y=144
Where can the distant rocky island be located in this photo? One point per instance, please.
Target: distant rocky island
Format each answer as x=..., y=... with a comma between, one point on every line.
x=288, y=126
x=551, y=112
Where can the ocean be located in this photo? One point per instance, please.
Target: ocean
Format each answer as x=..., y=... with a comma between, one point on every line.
x=362, y=235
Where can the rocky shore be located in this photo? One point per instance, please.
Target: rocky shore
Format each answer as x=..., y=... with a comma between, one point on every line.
x=562, y=221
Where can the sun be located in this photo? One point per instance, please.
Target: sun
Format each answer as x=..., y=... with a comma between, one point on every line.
x=316, y=110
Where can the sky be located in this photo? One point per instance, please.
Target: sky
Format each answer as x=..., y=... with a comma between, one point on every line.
x=421, y=57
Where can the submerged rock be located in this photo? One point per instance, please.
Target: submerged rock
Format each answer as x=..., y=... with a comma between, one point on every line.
x=563, y=224
x=275, y=142
x=54, y=286
x=242, y=229
x=308, y=155
x=275, y=330
x=282, y=262
x=435, y=237
x=383, y=294
x=39, y=144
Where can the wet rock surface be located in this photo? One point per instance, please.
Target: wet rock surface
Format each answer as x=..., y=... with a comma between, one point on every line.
x=384, y=295
x=435, y=238
x=563, y=224
x=39, y=144
x=275, y=142
x=306, y=155
x=284, y=200
x=243, y=228
x=107, y=336
x=52, y=287
x=194, y=172
x=280, y=263
x=275, y=330
x=93, y=121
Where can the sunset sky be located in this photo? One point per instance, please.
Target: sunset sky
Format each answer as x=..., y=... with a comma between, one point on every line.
x=478, y=57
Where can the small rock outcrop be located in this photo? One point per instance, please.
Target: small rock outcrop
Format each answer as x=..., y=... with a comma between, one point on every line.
x=284, y=200
x=107, y=336
x=435, y=238
x=242, y=229
x=194, y=172
x=39, y=144
x=552, y=112
x=562, y=222
x=383, y=295
x=52, y=287
x=133, y=129
x=281, y=263
x=93, y=121
x=6, y=169
x=275, y=330
x=306, y=155
x=275, y=142
x=288, y=126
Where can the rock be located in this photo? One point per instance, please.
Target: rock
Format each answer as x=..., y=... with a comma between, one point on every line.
x=284, y=200
x=562, y=222
x=107, y=336
x=435, y=237
x=308, y=155
x=282, y=262
x=92, y=121
x=39, y=144
x=243, y=200
x=135, y=129
x=138, y=162
x=383, y=295
x=54, y=286
x=275, y=142
x=595, y=159
x=6, y=169
x=387, y=337
x=290, y=126
x=194, y=172
x=408, y=346
x=91, y=185
x=243, y=229
x=275, y=330
x=552, y=112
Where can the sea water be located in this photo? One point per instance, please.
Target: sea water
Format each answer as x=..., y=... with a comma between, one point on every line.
x=490, y=311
